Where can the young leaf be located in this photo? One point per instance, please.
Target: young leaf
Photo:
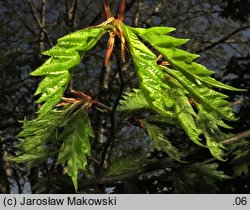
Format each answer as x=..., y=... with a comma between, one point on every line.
x=209, y=126
x=159, y=30
x=241, y=163
x=156, y=86
x=68, y=128
x=198, y=178
x=65, y=55
x=155, y=90
x=160, y=140
x=210, y=99
x=34, y=157
x=131, y=103
x=186, y=116
x=184, y=80
x=179, y=59
x=76, y=144
x=125, y=163
x=34, y=147
x=38, y=131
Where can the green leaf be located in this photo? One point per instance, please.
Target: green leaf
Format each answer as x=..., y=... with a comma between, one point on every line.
x=169, y=94
x=125, y=163
x=131, y=103
x=150, y=75
x=76, y=144
x=186, y=116
x=199, y=72
x=210, y=170
x=38, y=131
x=59, y=63
x=35, y=156
x=160, y=140
x=82, y=40
x=68, y=129
x=210, y=99
x=209, y=126
x=51, y=89
x=163, y=40
x=186, y=69
x=241, y=163
x=38, y=136
x=179, y=59
x=58, y=69
x=197, y=178
x=160, y=30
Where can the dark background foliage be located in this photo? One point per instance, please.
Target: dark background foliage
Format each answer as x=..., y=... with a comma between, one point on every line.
x=219, y=30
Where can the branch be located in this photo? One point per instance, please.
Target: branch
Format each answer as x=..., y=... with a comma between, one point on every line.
x=107, y=146
x=103, y=96
x=71, y=14
x=39, y=23
x=222, y=40
x=237, y=137
x=158, y=164
x=137, y=13
x=228, y=41
x=105, y=107
x=12, y=86
x=43, y=22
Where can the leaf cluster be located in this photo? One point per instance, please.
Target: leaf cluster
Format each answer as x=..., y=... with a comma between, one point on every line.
x=62, y=134
x=198, y=178
x=181, y=89
x=58, y=69
x=173, y=89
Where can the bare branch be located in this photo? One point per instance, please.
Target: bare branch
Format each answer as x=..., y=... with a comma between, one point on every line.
x=137, y=14
x=109, y=143
x=71, y=13
x=237, y=137
x=223, y=39
x=39, y=23
x=42, y=20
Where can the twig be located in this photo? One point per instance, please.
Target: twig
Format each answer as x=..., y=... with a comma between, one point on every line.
x=137, y=14
x=237, y=137
x=232, y=140
x=42, y=20
x=222, y=40
x=39, y=23
x=101, y=121
x=71, y=13
x=106, y=150
x=12, y=86
x=101, y=105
